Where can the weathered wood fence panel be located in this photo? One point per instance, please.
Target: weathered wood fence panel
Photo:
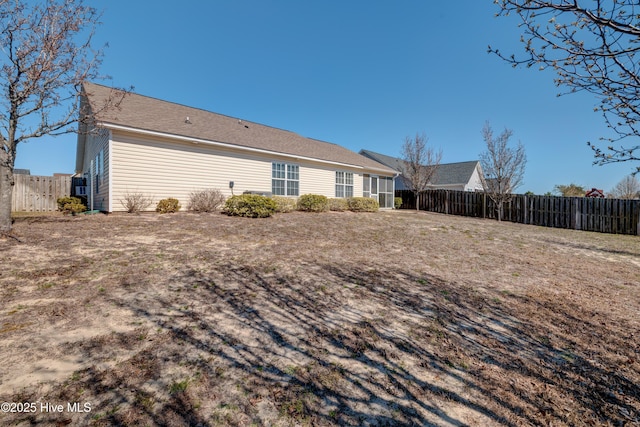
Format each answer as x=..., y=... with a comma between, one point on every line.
x=578, y=213
x=33, y=193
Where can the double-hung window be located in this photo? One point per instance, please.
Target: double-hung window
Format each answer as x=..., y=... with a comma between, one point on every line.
x=344, y=184
x=285, y=179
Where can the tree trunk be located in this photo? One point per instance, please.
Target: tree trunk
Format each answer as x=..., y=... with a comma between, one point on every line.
x=417, y=200
x=6, y=192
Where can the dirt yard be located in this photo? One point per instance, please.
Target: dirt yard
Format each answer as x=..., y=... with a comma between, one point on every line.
x=393, y=318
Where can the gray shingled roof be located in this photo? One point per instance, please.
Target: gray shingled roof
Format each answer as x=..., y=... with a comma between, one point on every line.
x=150, y=114
x=447, y=174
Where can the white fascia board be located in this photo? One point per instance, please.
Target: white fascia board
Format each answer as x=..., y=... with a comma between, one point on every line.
x=225, y=145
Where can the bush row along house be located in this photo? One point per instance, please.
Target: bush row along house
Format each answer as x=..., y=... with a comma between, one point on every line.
x=162, y=149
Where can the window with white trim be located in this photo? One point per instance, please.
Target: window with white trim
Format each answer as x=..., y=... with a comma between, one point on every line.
x=344, y=184
x=285, y=179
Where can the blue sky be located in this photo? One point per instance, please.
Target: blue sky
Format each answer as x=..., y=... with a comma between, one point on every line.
x=362, y=74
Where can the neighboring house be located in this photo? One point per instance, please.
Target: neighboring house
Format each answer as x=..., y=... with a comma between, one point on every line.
x=162, y=149
x=22, y=171
x=464, y=176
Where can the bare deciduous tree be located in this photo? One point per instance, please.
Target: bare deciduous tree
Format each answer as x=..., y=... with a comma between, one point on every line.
x=502, y=167
x=419, y=164
x=46, y=55
x=628, y=188
x=592, y=46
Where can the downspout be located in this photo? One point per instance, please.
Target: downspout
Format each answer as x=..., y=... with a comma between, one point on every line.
x=91, y=182
x=110, y=182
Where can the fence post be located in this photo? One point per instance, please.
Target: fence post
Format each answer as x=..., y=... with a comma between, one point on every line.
x=446, y=202
x=484, y=205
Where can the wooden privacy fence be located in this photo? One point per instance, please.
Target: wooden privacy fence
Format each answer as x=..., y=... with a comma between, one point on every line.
x=579, y=213
x=33, y=193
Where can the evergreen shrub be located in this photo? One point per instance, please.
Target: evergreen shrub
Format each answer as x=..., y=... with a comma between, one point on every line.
x=338, y=205
x=169, y=205
x=313, y=203
x=363, y=204
x=250, y=205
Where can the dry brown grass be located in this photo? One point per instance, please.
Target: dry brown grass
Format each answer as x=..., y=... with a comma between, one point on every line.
x=392, y=318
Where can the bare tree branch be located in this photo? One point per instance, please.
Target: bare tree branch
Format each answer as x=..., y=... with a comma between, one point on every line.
x=46, y=54
x=593, y=46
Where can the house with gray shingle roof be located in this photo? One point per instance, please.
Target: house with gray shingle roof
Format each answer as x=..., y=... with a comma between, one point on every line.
x=464, y=176
x=163, y=149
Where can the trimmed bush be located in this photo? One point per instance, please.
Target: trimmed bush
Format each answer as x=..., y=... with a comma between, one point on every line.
x=363, y=204
x=169, y=205
x=313, y=203
x=338, y=205
x=284, y=204
x=62, y=201
x=250, y=205
x=135, y=202
x=397, y=202
x=209, y=200
x=73, y=208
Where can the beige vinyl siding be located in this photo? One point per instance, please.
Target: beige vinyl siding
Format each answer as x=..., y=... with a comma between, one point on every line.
x=162, y=169
x=97, y=141
x=357, y=184
x=320, y=179
x=166, y=168
x=317, y=180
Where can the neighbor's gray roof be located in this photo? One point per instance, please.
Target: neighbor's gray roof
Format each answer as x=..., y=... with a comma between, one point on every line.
x=447, y=173
x=150, y=114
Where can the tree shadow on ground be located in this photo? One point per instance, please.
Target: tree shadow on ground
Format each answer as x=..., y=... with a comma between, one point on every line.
x=240, y=344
